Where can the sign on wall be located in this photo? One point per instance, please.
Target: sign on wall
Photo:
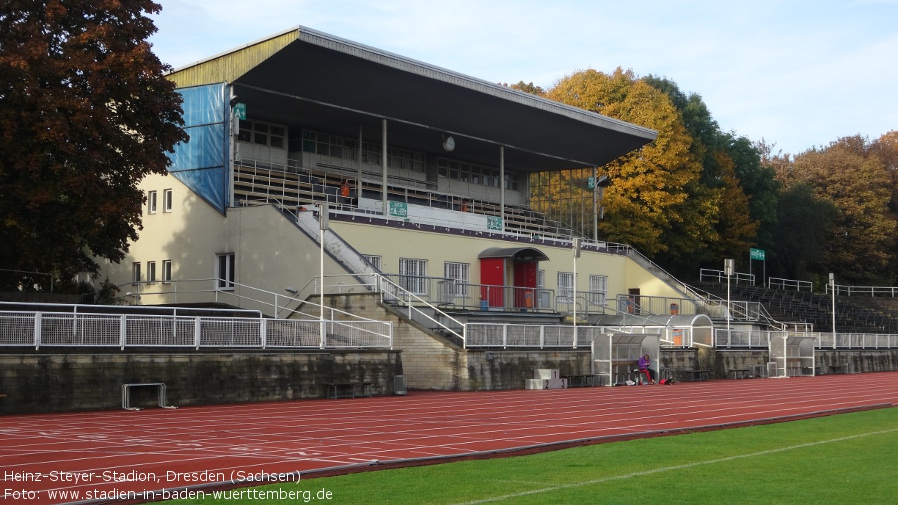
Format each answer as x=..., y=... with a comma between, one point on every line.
x=399, y=209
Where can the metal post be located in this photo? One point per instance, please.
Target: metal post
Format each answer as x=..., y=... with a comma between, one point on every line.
x=383, y=160
x=728, y=270
x=323, y=216
x=832, y=287
x=595, y=205
x=576, y=244
x=502, y=185
x=233, y=132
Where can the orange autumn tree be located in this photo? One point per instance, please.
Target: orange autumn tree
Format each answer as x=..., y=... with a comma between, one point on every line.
x=860, y=244
x=655, y=201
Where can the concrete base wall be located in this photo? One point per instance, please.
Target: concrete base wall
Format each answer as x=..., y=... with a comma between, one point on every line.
x=47, y=382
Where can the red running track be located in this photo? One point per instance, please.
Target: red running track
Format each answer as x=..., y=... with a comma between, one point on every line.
x=109, y=453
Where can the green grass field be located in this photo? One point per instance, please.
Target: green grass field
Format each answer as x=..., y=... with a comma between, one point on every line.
x=841, y=459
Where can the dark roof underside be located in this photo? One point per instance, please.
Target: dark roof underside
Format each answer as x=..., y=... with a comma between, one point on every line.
x=336, y=86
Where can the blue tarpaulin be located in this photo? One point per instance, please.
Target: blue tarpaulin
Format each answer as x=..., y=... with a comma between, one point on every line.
x=202, y=162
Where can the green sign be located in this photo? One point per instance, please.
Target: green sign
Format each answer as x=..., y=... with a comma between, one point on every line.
x=399, y=209
x=756, y=254
x=240, y=111
x=591, y=182
x=493, y=223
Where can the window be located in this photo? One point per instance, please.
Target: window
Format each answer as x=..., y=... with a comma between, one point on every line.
x=545, y=296
x=412, y=273
x=151, y=202
x=166, y=200
x=566, y=285
x=263, y=134
x=260, y=133
x=598, y=289
x=166, y=271
x=347, y=149
x=135, y=273
x=276, y=136
x=373, y=260
x=459, y=273
x=475, y=174
x=225, y=274
x=151, y=271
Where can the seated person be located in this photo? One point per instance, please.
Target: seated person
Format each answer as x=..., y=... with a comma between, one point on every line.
x=645, y=366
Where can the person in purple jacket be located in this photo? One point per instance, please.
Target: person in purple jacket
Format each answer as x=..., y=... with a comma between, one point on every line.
x=645, y=366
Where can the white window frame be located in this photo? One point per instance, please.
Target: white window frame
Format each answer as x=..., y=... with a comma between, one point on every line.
x=460, y=273
x=151, y=202
x=151, y=272
x=135, y=273
x=167, y=200
x=412, y=275
x=374, y=260
x=545, y=296
x=166, y=271
x=225, y=271
x=566, y=286
x=598, y=289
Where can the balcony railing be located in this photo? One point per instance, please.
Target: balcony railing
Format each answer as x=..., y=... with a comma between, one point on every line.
x=452, y=293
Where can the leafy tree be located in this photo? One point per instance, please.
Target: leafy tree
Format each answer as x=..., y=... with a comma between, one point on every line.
x=648, y=195
x=528, y=87
x=732, y=173
x=87, y=113
x=860, y=244
x=885, y=148
x=800, y=235
x=758, y=182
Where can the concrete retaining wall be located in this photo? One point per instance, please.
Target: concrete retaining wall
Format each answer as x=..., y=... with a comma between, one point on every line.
x=58, y=382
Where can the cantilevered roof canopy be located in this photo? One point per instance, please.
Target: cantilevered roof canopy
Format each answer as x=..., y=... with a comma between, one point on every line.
x=305, y=78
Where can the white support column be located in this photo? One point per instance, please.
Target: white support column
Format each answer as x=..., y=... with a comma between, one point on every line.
x=358, y=172
x=383, y=188
x=595, y=204
x=233, y=131
x=502, y=185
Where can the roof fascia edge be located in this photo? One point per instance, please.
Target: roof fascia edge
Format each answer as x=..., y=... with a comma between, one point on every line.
x=416, y=67
x=230, y=78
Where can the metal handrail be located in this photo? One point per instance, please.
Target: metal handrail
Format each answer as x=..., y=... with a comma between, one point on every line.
x=390, y=291
x=789, y=284
x=69, y=329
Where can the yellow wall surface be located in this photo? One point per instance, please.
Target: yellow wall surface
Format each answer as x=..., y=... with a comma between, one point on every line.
x=272, y=253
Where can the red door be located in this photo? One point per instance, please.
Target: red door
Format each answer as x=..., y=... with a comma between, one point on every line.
x=525, y=284
x=492, y=279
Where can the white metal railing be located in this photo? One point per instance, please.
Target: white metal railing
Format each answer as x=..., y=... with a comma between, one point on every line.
x=864, y=290
x=855, y=340
x=69, y=329
x=789, y=284
x=392, y=293
x=656, y=305
x=530, y=335
x=444, y=291
x=743, y=338
x=711, y=275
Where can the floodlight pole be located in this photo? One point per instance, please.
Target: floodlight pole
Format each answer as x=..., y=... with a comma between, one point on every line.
x=576, y=246
x=728, y=270
x=323, y=216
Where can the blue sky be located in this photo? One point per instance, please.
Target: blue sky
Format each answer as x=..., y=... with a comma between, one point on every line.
x=798, y=74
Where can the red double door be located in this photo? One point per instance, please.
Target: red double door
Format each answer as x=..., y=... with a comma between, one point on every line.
x=498, y=292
